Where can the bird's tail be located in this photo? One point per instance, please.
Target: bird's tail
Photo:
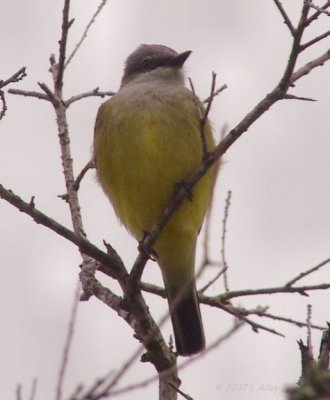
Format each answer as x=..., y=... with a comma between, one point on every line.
x=186, y=320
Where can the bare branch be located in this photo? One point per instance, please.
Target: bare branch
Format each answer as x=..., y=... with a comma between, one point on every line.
x=88, y=166
x=50, y=95
x=93, y=93
x=92, y=287
x=62, y=49
x=4, y=104
x=285, y=16
x=68, y=345
x=223, y=241
x=203, y=115
x=309, y=327
x=207, y=224
x=16, y=77
x=293, y=97
x=216, y=93
x=213, y=280
x=308, y=272
x=299, y=324
x=315, y=40
x=320, y=10
x=324, y=354
x=286, y=79
x=236, y=326
x=29, y=93
x=111, y=260
x=307, y=68
x=84, y=35
x=272, y=290
x=19, y=392
x=184, y=395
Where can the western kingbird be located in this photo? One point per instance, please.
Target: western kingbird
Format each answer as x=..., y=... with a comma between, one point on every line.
x=147, y=141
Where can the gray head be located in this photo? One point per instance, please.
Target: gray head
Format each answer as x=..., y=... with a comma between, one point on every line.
x=152, y=57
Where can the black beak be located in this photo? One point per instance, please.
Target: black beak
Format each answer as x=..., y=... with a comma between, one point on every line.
x=180, y=59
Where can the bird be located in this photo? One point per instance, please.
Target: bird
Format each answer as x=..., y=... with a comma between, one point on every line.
x=148, y=140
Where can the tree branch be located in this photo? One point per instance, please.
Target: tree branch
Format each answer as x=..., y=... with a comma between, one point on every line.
x=285, y=16
x=16, y=77
x=307, y=68
x=111, y=261
x=84, y=35
x=308, y=272
x=62, y=47
x=93, y=93
x=272, y=290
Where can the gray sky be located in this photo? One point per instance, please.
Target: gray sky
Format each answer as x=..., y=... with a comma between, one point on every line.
x=279, y=221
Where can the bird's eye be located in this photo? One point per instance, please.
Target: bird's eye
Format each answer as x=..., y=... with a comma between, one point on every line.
x=149, y=62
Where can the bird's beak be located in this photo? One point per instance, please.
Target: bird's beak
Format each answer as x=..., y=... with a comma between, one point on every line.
x=180, y=59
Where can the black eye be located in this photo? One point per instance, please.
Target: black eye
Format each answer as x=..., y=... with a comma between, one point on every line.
x=149, y=62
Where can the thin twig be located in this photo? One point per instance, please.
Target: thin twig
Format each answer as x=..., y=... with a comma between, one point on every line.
x=272, y=290
x=237, y=325
x=286, y=78
x=307, y=68
x=62, y=46
x=33, y=389
x=199, y=113
x=315, y=40
x=294, y=97
x=115, y=266
x=206, y=253
x=324, y=353
x=139, y=385
x=203, y=114
x=19, y=392
x=319, y=10
x=84, y=35
x=16, y=77
x=50, y=95
x=299, y=324
x=285, y=16
x=308, y=272
x=68, y=344
x=223, y=240
x=216, y=93
x=88, y=166
x=213, y=280
x=309, y=327
x=29, y=93
x=4, y=104
x=184, y=395
x=93, y=93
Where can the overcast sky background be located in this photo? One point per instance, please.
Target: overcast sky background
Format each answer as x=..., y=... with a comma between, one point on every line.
x=279, y=223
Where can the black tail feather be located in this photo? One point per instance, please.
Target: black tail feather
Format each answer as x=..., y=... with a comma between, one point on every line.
x=187, y=323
